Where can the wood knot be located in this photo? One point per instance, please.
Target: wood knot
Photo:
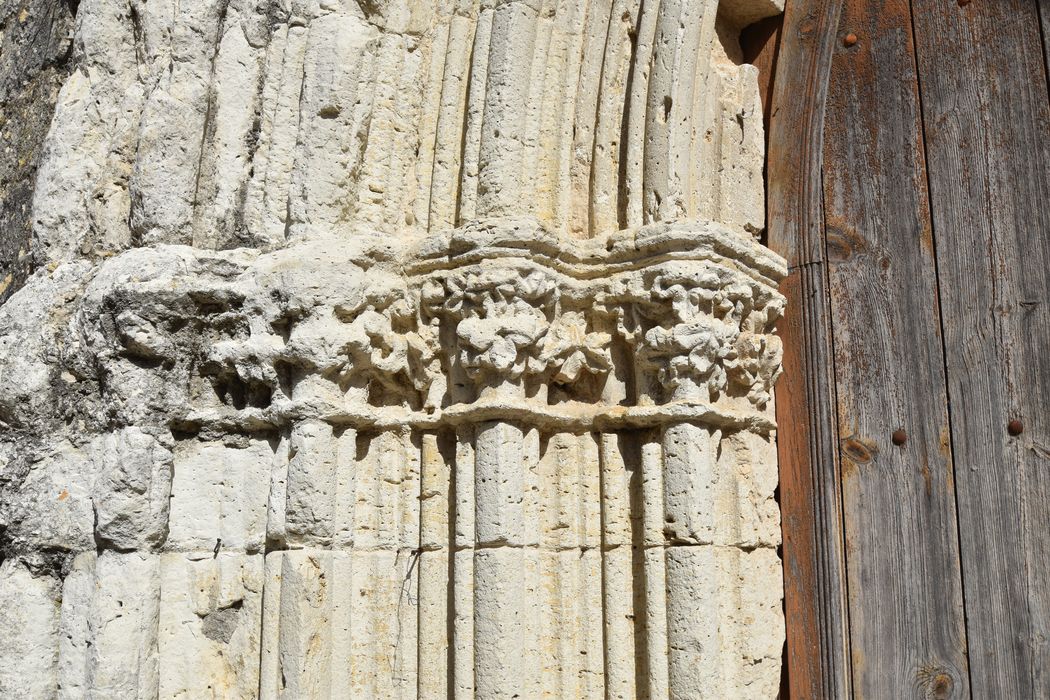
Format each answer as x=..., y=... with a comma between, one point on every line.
x=839, y=248
x=936, y=682
x=843, y=243
x=942, y=685
x=858, y=450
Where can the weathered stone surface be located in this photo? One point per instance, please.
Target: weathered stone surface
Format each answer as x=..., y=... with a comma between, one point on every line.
x=36, y=41
x=30, y=614
x=132, y=489
x=407, y=349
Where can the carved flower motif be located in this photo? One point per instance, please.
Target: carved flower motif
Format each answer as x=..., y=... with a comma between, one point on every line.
x=375, y=349
x=755, y=364
x=498, y=345
x=569, y=350
x=703, y=293
x=500, y=316
x=688, y=358
x=385, y=344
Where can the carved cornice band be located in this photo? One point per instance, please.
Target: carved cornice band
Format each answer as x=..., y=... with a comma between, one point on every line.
x=500, y=320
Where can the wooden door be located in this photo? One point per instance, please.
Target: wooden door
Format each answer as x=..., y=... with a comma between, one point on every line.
x=910, y=192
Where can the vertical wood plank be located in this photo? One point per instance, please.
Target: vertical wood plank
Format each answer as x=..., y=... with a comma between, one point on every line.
x=907, y=625
x=760, y=43
x=817, y=637
x=987, y=129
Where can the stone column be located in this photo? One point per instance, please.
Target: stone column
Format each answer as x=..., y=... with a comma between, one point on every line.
x=497, y=319
x=456, y=382
x=695, y=333
x=506, y=653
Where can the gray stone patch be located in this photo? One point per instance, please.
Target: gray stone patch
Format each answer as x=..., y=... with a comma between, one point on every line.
x=219, y=625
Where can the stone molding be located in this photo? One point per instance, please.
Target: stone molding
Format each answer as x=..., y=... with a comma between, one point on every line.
x=689, y=309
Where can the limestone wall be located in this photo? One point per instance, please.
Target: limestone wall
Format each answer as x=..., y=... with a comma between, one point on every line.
x=395, y=350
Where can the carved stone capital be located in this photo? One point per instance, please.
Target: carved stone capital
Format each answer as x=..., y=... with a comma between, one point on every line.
x=689, y=325
x=498, y=317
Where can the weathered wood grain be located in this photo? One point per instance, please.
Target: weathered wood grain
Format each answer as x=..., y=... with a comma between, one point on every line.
x=817, y=635
x=1044, y=16
x=907, y=626
x=987, y=132
x=760, y=43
